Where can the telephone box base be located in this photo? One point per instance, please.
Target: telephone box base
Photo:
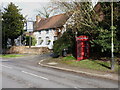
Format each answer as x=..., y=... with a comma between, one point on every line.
x=81, y=58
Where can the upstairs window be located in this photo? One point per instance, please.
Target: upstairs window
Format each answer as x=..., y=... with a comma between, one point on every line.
x=47, y=31
x=55, y=38
x=39, y=32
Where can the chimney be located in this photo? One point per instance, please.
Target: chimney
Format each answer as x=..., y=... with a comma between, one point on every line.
x=38, y=18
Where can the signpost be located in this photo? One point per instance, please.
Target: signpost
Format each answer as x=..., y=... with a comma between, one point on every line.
x=29, y=26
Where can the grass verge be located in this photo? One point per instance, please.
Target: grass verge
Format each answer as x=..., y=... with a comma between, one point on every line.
x=10, y=55
x=98, y=65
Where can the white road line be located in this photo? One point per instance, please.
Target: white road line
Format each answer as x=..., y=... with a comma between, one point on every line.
x=41, y=61
x=35, y=75
x=76, y=87
x=6, y=66
x=4, y=60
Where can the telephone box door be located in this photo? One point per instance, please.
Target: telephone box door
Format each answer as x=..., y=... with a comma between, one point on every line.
x=82, y=47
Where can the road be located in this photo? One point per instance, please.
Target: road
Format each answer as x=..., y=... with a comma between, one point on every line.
x=24, y=72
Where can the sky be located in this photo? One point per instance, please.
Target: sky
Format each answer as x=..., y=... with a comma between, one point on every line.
x=29, y=7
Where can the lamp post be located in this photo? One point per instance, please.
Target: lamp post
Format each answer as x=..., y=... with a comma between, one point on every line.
x=29, y=29
x=29, y=39
x=112, y=45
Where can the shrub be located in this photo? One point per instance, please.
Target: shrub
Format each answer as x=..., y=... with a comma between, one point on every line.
x=67, y=41
x=33, y=41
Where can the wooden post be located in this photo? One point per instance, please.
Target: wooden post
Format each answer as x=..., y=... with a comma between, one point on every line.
x=29, y=39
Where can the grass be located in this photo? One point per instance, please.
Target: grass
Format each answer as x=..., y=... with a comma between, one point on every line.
x=10, y=55
x=69, y=58
x=89, y=64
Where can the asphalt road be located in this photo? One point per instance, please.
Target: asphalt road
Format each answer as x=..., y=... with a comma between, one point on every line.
x=24, y=72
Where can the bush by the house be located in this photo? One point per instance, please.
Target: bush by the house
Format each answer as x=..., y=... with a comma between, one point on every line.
x=67, y=41
x=33, y=41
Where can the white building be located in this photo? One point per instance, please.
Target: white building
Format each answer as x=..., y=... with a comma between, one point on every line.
x=45, y=38
x=47, y=30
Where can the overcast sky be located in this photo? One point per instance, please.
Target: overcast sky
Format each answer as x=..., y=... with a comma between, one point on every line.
x=29, y=7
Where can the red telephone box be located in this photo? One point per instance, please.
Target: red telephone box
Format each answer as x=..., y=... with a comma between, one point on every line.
x=82, y=47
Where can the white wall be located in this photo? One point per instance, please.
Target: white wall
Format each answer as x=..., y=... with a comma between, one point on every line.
x=43, y=36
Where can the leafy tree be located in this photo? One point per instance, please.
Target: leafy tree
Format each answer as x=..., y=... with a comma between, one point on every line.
x=83, y=15
x=106, y=23
x=34, y=41
x=67, y=41
x=100, y=33
x=86, y=21
x=0, y=33
x=13, y=23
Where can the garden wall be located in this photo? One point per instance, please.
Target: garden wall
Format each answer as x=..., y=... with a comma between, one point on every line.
x=27, y=50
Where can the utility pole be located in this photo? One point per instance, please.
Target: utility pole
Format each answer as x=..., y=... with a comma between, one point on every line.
x=0, y=32
x=20, y=40
x=29, y=39
x=112, y=45
x=29, y=26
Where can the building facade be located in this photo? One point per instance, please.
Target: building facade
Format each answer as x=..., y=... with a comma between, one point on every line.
x=47, y=30
x=45, y=38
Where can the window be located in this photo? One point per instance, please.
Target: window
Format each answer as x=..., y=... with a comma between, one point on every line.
x=47, y=41
x=47, y=31
x=55, y=38
x=40, y=40
x=39, y=32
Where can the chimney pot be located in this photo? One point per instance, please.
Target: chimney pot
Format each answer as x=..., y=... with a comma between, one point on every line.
x=38, y=18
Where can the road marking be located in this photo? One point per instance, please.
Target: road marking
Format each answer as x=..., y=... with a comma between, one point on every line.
x=4, y=60
x=76, y=87
x=41, y=61
x=6, y=66
x=35, y=75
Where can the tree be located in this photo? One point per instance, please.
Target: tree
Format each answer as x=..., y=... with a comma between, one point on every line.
x=83, y=15
x=84, y=19
x=13, y=23
x=45, y=13
x=67, y=41
x=0, y=32
x=87, y=21
x=48, y=11
x=106, y=23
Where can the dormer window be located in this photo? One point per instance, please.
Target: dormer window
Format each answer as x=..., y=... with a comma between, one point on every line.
x=47, y=31
x=55, y=38
x=39, y=32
